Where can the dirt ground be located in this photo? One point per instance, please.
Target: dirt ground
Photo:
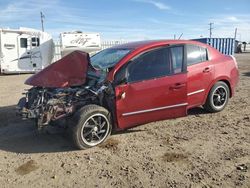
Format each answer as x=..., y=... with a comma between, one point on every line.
x=201, y=150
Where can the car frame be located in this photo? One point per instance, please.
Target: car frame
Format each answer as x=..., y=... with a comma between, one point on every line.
x=139, y=91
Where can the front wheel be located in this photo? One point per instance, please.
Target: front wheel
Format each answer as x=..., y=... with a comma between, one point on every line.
x=92, y=126
x=217, y=98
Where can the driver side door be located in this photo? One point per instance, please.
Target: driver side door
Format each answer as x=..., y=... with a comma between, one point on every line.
x=155, y=87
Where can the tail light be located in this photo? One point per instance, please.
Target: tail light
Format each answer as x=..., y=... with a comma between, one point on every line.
x=235, y=62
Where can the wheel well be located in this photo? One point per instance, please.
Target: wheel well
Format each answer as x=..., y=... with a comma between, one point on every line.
x=229, y=86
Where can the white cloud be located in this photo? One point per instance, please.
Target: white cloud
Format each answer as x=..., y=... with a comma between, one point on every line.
x=232, y=18
x=60, y=18
x=224, y=26
x=24, y=10
x=157, y=4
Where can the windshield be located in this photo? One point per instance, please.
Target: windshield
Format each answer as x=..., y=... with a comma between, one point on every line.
x=108, y=58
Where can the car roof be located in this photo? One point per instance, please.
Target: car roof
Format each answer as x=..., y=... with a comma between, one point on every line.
x=147, y=43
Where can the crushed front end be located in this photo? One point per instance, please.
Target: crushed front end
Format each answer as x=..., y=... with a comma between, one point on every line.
x=63, y=88
x=46, y=105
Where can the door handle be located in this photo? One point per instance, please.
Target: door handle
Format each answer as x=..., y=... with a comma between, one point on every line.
x=207, y=69
x=177, y=86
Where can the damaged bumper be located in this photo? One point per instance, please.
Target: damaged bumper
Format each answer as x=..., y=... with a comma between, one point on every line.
x=21, y=109
x=59, y=91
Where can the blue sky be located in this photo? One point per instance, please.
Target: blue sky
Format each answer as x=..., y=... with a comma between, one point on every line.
x=131, y=19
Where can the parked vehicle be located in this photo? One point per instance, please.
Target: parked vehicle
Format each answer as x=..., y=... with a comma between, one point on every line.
x=25, y=50
x=86, y=42
x=129, y=85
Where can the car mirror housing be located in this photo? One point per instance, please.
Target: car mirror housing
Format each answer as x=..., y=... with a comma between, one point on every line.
x=121, y=76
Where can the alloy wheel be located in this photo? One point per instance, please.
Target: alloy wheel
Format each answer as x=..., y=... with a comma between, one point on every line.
x=95, y=129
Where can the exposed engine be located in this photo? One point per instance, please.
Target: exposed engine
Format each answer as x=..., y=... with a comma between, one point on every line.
x=51, y=104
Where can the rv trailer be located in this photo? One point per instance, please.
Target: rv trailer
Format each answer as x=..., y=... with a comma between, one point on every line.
x=25, y=50
x=86, y=42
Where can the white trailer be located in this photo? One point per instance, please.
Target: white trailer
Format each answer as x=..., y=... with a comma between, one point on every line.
x=25, y=50
x=87, y=42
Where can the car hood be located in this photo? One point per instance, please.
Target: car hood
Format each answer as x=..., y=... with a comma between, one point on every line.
x=69, y=71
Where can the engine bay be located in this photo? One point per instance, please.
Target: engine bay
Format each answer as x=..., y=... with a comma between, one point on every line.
x=46, y=105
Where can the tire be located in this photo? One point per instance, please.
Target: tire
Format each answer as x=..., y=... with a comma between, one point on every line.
x=91, y=126
x=217, y=98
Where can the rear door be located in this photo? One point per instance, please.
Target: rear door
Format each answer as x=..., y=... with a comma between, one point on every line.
x=200, y=74
x=155, y=87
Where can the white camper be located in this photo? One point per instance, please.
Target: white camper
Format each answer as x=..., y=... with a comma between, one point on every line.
x=87, y=42
x=25, y=50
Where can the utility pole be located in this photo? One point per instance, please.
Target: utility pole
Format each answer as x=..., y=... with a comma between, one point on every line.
x=235, y=33
x=42, y=17
x=210, y=30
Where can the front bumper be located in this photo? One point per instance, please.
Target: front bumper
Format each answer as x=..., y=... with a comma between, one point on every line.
x=22, y=110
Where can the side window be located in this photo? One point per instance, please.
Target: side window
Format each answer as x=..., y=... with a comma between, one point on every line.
x=177, y=59
x=152, y=64
x=204, y=54
x=196, y=54
x=23, y=42
x=35, y=41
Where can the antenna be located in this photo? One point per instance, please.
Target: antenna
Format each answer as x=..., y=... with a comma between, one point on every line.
x=180, y=36
x=210, y=30
x=42, y=18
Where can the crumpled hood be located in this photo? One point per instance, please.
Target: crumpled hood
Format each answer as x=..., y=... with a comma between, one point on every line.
x=71, y=70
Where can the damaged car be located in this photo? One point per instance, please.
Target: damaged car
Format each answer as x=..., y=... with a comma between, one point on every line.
x=128, y=85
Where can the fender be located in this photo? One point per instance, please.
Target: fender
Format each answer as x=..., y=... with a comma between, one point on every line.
x=221, y=78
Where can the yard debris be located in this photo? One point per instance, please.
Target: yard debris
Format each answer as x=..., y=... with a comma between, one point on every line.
x=242, y=167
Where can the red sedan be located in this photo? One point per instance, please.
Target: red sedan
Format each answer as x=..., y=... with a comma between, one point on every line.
x=129, y=85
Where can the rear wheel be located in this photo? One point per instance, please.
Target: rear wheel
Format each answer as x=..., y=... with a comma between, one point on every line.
x=92, y=126
x=218, y=97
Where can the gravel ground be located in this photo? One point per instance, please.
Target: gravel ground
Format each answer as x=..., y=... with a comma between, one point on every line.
x=201, y=150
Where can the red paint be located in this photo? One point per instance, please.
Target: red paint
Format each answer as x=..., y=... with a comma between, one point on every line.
x=156, y=93
x=149, y=94
x=69, y=71
x=199, y=76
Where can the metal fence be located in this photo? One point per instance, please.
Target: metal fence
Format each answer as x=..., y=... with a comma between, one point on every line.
x=108, y=44
x=224, y=45
x=104, y=45
x=57, y=52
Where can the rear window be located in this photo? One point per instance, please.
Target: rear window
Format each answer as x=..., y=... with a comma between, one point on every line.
x=196, y=54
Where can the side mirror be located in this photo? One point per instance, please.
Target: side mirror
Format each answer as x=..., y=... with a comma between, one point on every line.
x=121, y=76
x=122, y=81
